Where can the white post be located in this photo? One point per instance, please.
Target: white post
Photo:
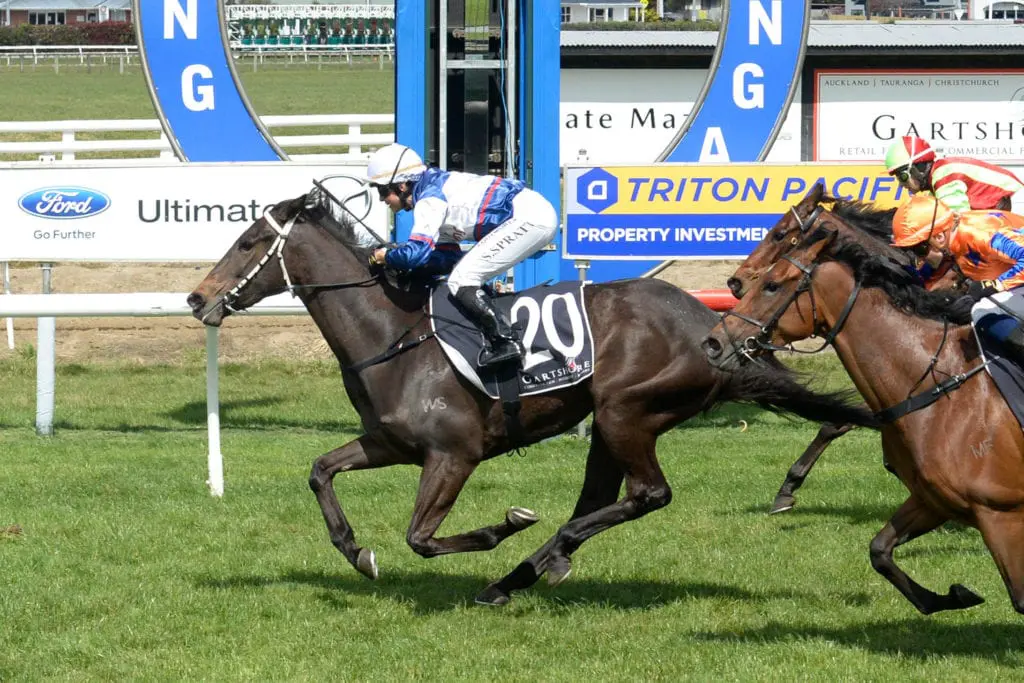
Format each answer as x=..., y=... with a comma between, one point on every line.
x=45, y=365
x=215, y=461
x=7, y=290
x=67, y=137
x=582, y=267
x=356, y=130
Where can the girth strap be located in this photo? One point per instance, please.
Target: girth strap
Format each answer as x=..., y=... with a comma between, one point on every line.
x=507, y=379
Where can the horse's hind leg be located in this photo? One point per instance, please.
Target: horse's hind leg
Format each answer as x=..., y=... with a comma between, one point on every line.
x=633, y=448
x=601, y=485
x=444, y=475
x=360, y=454
x=785, y=499
x=914, y=519
x=1004, y=535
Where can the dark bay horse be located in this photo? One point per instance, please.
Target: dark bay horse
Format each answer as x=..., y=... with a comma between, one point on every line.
x=958, y=448
x=873, y=229
x=650, y=374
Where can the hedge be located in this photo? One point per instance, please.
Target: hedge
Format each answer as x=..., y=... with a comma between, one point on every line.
x=85, y=33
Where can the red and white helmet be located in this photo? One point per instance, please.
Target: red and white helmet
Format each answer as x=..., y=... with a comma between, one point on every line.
x=910, y=149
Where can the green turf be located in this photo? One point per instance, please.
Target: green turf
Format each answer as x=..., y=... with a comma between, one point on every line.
x=125, y=567
x=277, y=88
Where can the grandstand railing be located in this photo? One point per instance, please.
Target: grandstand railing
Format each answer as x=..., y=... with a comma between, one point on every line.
x=349, y=145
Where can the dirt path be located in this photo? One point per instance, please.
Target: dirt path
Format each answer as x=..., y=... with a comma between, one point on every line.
x=174, y=339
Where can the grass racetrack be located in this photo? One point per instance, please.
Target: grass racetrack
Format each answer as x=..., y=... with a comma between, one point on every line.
x=115, y=562
x=122, y=566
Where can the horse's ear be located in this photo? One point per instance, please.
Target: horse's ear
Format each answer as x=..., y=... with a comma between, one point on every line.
x=821, y=239
x=813, y=196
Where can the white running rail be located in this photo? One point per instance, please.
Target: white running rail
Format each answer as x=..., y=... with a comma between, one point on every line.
x=347, y=144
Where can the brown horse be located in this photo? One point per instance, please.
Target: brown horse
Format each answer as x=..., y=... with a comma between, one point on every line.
x=649, y=375
x=916, y=362
x=873, y=230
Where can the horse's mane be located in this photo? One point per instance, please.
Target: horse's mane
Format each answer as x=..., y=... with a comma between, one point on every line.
x=357, y=239
x=867, y=217
x=343, y=229
x=902, y=287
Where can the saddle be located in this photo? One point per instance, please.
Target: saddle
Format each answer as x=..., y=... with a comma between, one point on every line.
x=1004, y=370
x=555, y=330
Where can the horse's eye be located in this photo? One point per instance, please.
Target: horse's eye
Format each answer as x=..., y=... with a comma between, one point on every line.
x=245, y=245
x=778, y=235
x=771, y=287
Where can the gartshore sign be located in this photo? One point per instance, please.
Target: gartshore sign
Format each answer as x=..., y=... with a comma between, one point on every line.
x=698, y=211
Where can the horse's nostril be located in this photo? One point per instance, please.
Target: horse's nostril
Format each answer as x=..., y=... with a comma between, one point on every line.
x=195, y=300
x=735, y=286
x=711, y=347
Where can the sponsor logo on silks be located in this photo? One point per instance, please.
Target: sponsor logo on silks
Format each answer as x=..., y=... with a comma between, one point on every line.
x=64, y=203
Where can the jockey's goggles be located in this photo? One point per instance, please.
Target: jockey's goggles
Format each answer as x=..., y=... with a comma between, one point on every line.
x=385, y=191
x=902, y=174
x=921, y=250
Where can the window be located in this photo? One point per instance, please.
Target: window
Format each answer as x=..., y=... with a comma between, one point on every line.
x=566, y=14
x=46, y=18
x=597, y=15
x=611, y=14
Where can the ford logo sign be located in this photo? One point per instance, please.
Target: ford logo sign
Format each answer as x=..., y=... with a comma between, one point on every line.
x=64, y=203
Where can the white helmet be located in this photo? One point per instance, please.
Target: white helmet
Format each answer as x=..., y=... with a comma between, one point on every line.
x=394, y=164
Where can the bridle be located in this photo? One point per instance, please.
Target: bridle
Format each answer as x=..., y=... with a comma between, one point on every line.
x=229, y=299
x=762, y=340
x=277, y=248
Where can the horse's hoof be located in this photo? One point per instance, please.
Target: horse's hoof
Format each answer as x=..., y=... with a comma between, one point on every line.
x=521, y=518
x=964, y=596
x=782, y=504
x=559, y=571
x=366, y=563
x=492, y=596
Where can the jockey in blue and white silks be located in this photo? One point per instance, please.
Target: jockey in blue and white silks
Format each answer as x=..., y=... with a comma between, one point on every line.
x=507, y=220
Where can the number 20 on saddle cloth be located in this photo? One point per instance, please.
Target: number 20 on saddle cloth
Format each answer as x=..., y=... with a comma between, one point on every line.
x=555, y=333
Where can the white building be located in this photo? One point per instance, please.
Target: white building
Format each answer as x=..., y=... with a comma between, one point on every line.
x=591, y=11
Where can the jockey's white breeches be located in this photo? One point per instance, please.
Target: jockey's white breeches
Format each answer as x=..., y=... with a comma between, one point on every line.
x=533, y=225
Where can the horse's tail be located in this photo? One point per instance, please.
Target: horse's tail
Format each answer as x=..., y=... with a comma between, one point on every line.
x=774, y=387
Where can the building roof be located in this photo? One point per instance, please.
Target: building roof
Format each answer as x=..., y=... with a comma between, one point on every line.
x=823, y=36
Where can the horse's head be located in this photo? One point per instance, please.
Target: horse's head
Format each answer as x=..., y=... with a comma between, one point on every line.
x=783, y=236
x=778, y=309
x=252, y=269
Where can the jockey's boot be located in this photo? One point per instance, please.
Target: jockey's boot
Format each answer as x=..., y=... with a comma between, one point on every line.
x=1014, y=346
x=502, y=345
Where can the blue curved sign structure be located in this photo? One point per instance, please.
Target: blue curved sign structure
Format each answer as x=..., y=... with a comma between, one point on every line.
x=194, y=86
x=749, y=89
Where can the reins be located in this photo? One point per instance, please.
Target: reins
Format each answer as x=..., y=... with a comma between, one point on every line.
x=277, y=248
x=761, y=341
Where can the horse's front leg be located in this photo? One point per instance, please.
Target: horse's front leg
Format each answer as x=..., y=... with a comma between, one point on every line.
x=914, y=519
x=444, y=475
x=785, y=499
x=360, y=454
